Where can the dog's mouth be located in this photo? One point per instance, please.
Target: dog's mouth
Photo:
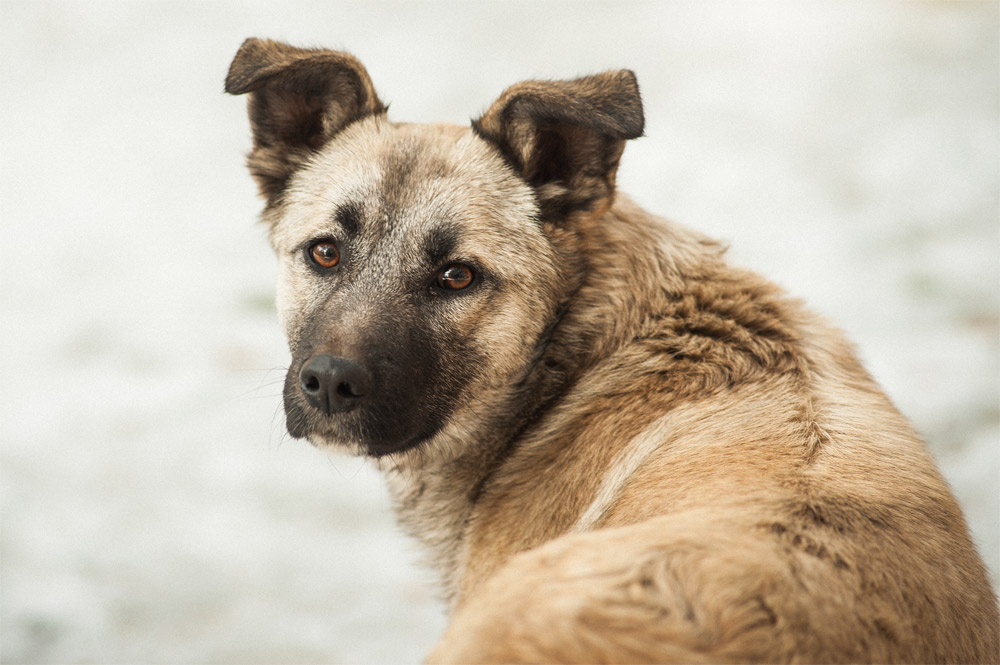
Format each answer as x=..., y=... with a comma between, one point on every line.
x=369, y=448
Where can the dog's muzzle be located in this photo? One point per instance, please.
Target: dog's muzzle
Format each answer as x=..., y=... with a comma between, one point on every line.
x=334, y=385
x=376, y=402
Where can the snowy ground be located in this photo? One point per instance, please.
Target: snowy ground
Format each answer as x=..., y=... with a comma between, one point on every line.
x=152, y=508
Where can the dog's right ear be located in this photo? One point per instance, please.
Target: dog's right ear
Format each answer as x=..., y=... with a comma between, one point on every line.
x=299, y=99
x=565, y=137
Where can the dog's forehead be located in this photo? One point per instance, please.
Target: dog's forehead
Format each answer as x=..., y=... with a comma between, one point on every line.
x=405, y=180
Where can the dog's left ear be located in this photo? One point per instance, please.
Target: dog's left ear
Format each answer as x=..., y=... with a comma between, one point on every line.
x=299, y=99
x=565, y=138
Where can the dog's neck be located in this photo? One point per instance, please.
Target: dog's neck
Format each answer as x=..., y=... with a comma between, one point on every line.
x=435, y=495
x=437, y=487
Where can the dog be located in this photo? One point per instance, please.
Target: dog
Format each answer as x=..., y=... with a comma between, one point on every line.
x=616, y=447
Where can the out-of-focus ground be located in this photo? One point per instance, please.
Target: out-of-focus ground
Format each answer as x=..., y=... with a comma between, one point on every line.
x=153, y=509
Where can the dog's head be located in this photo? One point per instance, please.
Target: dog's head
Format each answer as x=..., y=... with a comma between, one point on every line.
x=421, y=267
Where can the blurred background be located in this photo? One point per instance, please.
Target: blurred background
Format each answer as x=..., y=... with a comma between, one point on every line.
x=153, y=509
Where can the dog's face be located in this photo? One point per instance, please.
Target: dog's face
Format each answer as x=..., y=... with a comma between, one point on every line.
x=420, y=266
x=414, y=277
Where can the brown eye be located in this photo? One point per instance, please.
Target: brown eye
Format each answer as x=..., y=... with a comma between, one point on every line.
x=455, y=277
x=324, y=254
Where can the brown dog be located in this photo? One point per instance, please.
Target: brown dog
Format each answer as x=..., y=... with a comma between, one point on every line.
x=616, y=447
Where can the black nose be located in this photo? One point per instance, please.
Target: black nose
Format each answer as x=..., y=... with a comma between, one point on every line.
x=334, y=385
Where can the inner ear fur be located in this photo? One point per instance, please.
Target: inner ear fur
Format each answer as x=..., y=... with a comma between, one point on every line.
x=565, y=138
x=298, y=100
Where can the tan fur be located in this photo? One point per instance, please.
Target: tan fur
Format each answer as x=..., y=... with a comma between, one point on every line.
x=787, y=515
x=654, y=457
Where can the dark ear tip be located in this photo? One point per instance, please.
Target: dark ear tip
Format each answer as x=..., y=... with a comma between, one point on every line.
x=244, y=65
x=636, y=122
x=631, y=117
x=625, y=79
x=249, y=44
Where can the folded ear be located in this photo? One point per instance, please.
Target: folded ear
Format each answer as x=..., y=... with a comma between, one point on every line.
x=299, y=99
x=566, y=137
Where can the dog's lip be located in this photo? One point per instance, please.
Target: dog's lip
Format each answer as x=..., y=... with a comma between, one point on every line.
x=377, y=450
x=373, y=449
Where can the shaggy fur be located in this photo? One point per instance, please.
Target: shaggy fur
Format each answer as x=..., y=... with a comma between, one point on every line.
x=616, y=447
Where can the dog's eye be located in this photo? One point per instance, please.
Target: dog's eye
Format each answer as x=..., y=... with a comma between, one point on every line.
x=324, y=254
x=455, y=277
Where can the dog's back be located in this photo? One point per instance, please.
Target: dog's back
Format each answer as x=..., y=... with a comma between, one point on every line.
x=755, y=498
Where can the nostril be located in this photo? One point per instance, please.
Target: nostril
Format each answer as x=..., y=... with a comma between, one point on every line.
x=350, y=390
x=310, y=384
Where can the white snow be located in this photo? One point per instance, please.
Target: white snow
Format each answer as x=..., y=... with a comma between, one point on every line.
x=153, y=510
